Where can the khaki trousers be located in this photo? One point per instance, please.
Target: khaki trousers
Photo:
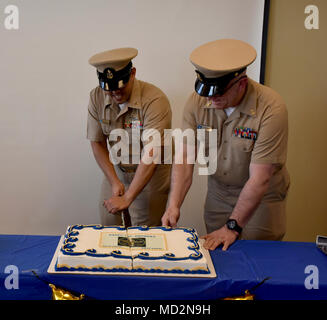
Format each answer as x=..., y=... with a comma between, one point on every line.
x=148, y=207
x=267, y=223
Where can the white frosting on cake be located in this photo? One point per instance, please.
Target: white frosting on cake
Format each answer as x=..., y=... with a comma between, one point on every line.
x=82, y=250
x=176, y=245
x=135, y=249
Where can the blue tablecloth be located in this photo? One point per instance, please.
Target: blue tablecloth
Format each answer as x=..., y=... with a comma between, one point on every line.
x=241, y=267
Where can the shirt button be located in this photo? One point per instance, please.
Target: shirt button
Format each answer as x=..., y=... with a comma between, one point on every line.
x=225, y=158
x=225, y=173
x=225, y=141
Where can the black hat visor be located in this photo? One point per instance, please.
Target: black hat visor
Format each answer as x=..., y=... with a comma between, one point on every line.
x=209, y=87
x=111, y=80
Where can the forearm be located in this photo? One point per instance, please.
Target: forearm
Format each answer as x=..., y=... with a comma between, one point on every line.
x=181, y=181
x=249, y=199
x=143, y=174
x=101, y=155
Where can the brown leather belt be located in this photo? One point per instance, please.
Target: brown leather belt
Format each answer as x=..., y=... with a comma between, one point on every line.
x=127, y=169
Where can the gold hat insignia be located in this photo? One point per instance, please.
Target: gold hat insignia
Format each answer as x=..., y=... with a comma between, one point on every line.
x=109, y=74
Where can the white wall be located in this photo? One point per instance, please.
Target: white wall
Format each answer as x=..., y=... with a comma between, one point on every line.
x=49, y=178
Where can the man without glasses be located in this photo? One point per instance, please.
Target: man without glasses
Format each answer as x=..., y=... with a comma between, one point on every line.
x=123, y=102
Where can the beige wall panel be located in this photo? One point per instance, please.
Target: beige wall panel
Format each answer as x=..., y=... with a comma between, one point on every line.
x=296, y=68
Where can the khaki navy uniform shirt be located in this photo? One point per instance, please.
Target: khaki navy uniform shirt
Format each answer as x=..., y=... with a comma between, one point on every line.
x=147, y=108
x=256, y=132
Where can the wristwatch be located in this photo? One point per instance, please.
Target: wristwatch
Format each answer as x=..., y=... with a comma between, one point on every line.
x=232, y=225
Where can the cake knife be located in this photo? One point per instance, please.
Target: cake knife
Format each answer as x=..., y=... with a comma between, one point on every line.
x=126, y=218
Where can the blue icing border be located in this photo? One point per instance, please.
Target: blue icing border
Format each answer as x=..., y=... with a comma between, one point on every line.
x=71, y=237
x=136, y=270
x=196, y=255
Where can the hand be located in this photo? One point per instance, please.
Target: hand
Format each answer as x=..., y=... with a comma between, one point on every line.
x=116, y=204
x=170, y=217
x=222, y=236
x=117, y=189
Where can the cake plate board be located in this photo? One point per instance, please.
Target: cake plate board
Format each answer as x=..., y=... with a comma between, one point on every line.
x=205, y=252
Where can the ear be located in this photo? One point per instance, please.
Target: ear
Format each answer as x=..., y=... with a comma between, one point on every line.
x=244, y=82
x=133, y=72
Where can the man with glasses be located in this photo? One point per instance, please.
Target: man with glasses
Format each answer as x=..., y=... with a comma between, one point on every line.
x=246, y=195
x=122, y=106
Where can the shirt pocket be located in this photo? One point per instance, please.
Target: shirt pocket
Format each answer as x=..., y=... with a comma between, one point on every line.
x=134, y=135
x=105, y=128
x=242, y=150
x=205, y=135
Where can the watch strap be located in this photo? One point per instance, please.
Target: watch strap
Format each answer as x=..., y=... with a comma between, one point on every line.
x=233, y=225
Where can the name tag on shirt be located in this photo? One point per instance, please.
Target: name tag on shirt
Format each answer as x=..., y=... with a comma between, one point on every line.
x=104, y=121
x=245, y=133
x=203, y=126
